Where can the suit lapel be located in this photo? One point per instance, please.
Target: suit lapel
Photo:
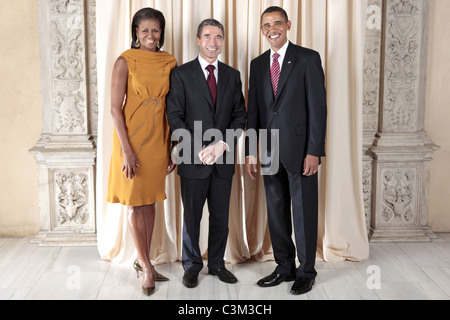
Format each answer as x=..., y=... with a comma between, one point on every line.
x=222, y=86
x=267, y=82
x=199, y=78
x=288, y=64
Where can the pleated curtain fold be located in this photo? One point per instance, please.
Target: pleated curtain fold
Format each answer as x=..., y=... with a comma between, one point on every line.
x=334, y=28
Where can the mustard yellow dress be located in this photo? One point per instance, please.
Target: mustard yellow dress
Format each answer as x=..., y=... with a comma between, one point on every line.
x=148, y=130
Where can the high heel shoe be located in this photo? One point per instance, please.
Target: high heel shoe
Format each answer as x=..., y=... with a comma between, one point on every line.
x=158, y=277
x=138, y=268
x=148, y=291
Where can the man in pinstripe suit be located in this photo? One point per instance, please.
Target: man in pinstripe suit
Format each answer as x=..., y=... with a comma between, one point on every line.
x=206, y=92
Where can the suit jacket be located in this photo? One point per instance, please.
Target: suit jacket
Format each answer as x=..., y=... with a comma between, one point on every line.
x=190, y=101
x=299, y=111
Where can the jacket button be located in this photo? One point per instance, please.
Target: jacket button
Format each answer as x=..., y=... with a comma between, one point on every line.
x=275, y=114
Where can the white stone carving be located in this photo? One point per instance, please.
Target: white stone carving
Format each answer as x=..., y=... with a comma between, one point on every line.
x=92, y=67
x=402, y=56
x=400, y=187
x=401, y=152
x=72, y=198
x=371, y=96
x=372, y=65
x=66, y=152
x=68, y=66
x=367, y=191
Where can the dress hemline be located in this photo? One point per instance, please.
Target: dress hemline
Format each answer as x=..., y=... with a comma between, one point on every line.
x=129, y=204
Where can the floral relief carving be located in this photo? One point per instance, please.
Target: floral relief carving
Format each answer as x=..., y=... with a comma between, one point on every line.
x=66, y=7
x=91, y=23
x=68, y=66
x=402, y=52
x=71, y=198
x=371, y=88
x=398, y=195
x=367, y=191
x=372, y=64
x=371, y=93
x=405, y=6
x=69, y=114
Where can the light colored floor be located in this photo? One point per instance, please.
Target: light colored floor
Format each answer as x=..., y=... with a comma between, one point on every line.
x=418, y=271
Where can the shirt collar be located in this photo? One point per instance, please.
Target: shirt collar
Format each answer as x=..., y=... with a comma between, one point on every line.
x=204, y=63
x=281, y=52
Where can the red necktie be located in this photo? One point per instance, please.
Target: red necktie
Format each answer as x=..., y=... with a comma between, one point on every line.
x=275, y=73
x=212, y=83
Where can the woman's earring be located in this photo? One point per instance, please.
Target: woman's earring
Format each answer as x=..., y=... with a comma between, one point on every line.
x=138, y=43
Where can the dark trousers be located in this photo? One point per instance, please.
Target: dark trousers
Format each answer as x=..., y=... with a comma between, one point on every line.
x=194, y=194
x=283, y=190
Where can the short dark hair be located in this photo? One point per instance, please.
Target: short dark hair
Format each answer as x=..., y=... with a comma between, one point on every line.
x=275, y=9
x=209, y=22
x=143, y=14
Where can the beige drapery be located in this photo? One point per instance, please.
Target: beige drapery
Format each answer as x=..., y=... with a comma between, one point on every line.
x=335, y=28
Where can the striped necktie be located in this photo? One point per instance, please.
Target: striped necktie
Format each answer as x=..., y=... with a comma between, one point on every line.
x=275, y=73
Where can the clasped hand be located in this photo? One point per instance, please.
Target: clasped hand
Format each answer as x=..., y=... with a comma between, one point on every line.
x=209, y=155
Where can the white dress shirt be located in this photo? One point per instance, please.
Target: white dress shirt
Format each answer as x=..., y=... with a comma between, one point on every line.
x=204, y=64
x=281, y=52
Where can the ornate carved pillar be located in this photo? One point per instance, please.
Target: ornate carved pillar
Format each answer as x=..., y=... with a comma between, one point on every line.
x=66, y=152
x=372, y=82
x=398, y=152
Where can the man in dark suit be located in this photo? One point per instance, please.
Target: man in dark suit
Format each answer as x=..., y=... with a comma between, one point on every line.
x=287, y=98
x=206, y=96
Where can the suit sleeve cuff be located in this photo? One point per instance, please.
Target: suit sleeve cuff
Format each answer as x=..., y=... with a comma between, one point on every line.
x=226, y=145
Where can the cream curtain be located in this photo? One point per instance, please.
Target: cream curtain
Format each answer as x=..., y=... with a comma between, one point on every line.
x=335, y=28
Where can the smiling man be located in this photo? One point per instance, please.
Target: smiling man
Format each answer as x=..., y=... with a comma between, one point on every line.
x=287, y=98
x=209, y=92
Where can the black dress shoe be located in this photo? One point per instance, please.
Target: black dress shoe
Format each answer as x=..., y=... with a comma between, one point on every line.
x=224, y=275
x=190, y=279
x=302, y=286
x=274, y=279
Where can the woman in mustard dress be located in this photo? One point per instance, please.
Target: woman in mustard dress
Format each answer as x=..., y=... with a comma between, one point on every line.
x=140, y=161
